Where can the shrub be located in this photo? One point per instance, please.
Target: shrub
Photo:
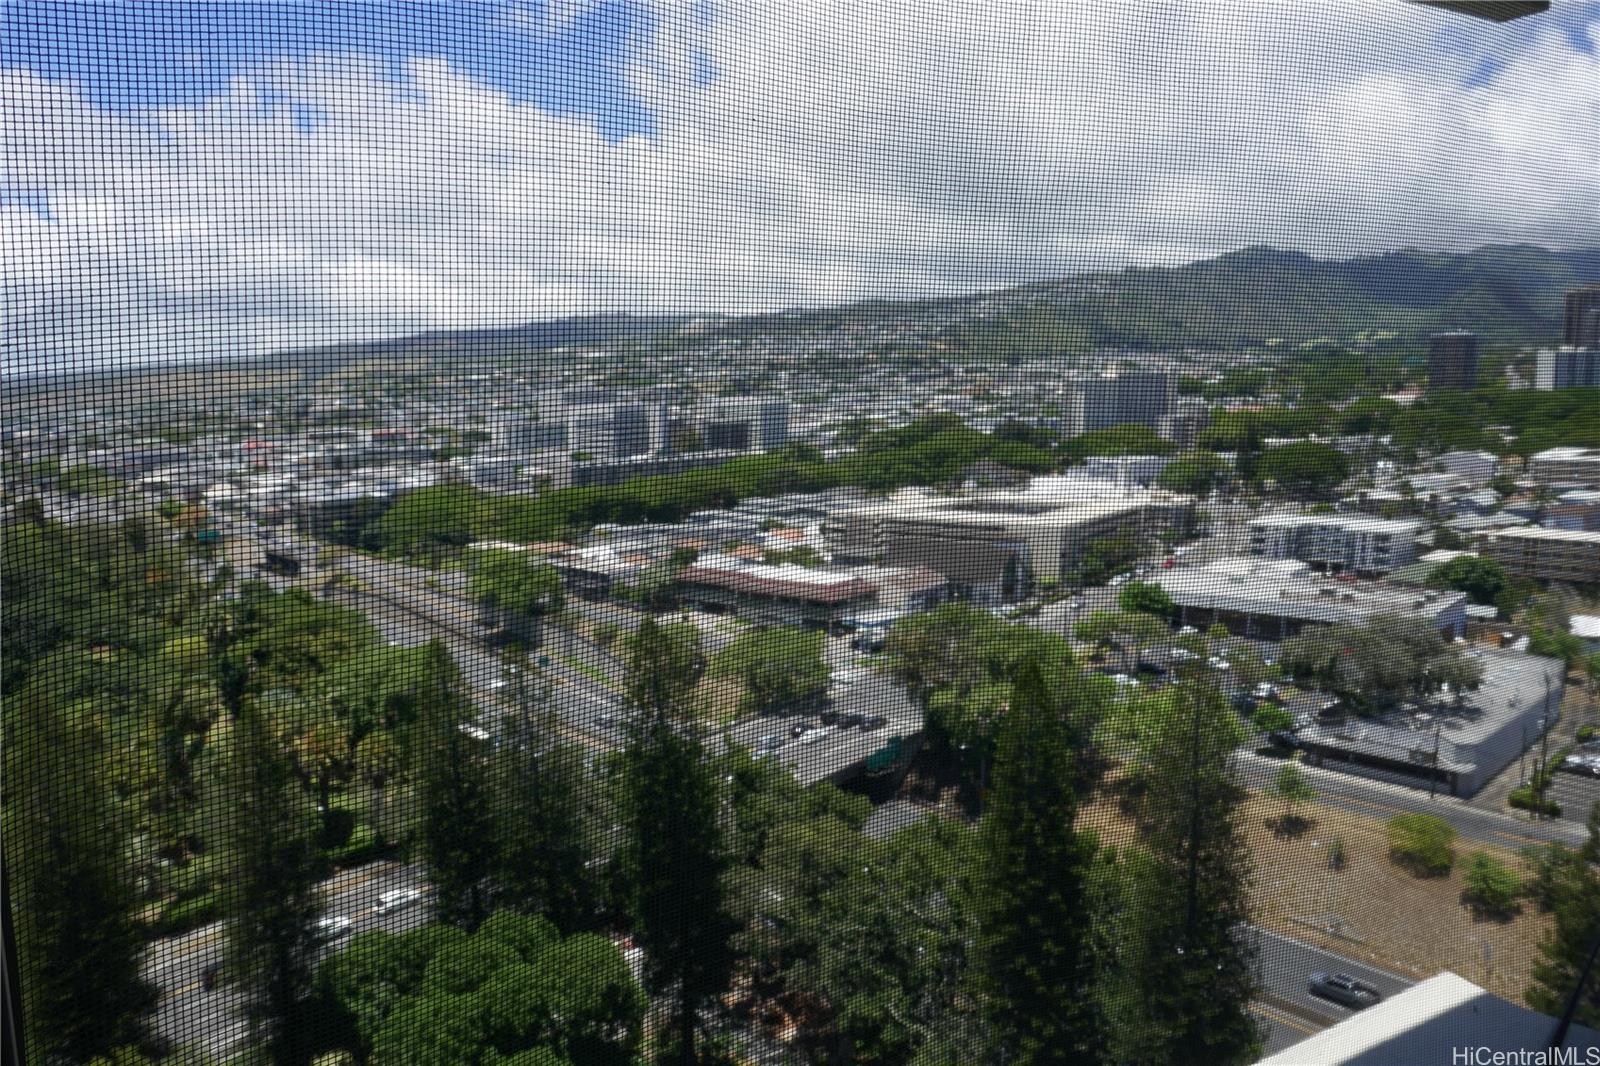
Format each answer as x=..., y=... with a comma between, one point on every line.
x=191, y=914
x=1492, y=887
x=1336, y=854
x=1526, y=799
x=1554, y=869
x=1585, y=733
x=1422, y=842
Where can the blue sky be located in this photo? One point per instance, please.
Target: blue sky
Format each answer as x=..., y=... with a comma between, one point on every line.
x=141, y=55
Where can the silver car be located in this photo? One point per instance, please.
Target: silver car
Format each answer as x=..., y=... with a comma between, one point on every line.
x=1342, y=988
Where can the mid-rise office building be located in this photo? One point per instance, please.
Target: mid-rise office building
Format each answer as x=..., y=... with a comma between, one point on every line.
x=744, y=424
x=1046, y=530
x=1120, y=397
x=1567, y=368
x=1453, y=361
x=1548, y=554
x=1583, y=317
x=1337, y=542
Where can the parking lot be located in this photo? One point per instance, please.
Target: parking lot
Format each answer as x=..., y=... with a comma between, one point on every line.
x=1576, y=792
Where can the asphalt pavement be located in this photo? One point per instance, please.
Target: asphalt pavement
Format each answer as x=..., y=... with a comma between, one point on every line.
x=1286, y=1008
x=190, y=1014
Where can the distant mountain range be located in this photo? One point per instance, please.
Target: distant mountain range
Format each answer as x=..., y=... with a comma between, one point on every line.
x=1251, y=298
x=1508, y=294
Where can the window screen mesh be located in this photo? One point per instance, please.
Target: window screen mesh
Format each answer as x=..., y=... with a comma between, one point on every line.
x=598, y=532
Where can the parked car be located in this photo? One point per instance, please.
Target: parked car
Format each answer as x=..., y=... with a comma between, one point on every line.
x=811, y=736
x=799, y=730
x=850, y=721
x=1585, y=764
x=333, y=927
x=1342, y=988
x=1217, y=662
x=1124, y=680
x=398, y=899
x=872, y=722
x=1266, y=691
x=770, y=742
x=1283, y=738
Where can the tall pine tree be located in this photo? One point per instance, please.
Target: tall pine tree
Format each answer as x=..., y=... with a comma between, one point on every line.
x=1564, y=950
x=541, y=855
x=1035, y=959
x=274, y=902
x=1191, y=964
x=79, y=950
x=676, y=854
x=458, y=831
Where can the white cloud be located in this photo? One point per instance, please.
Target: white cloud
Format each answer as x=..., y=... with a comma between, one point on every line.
x=843, y=151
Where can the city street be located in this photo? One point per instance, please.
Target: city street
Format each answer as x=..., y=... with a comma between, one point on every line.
x=1286, y=1008
x=189, y=1013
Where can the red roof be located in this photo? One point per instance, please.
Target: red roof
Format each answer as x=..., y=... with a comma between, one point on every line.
x=843, y=590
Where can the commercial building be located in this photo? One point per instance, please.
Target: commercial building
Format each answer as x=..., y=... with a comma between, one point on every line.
x=1275, y=600
x=1566, y=466
x=1337, y=542
x=1583, y=317
x=1453, y=361
x=1456, y=742
x=786, y=595
x=1478, y=468
x=1567, y=368
x=1120, y=397
x=743, y=424
x=1548, y=554
x=1046, y=528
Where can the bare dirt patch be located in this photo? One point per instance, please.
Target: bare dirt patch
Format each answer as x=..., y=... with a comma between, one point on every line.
x=1412, y=926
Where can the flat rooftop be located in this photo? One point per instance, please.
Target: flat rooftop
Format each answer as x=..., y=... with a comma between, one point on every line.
x=1290, y=589
x=1513, y=682
x=1566, y=536
x=1399, y=527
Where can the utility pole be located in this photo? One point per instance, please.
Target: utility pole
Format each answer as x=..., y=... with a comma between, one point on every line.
x=1432, y=778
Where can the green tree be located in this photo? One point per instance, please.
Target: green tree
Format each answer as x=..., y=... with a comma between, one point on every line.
x=1272, y=718
x=78, y=949
x=1305, y=468
x=1193, y=472
x=1146, y=597
x=1035, y=958
x=675, y=853
x=1192, y=973
x=541, y=853
x=1292, y=788
x=1574, y=894
x=1482, y=579
x=515, y=591
x=274, y=903
x=458, y=830
x=1423, y=843
x=779, y=667
x=1492, y=887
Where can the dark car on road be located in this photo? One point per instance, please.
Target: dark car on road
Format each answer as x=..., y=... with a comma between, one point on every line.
x=1342, y=988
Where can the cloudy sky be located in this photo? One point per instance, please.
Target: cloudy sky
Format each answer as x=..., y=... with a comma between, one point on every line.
x=182, y=180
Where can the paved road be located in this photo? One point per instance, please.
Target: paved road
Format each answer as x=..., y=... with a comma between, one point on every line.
x=1385, y=799
x=1287, y=1009
x=190, y=1014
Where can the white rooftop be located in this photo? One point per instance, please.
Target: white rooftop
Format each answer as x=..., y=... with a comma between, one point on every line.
x=1586, y=626
x=1429, y=1023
